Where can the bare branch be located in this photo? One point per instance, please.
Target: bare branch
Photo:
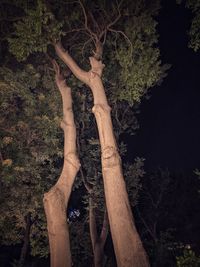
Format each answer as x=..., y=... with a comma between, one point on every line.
x=146, y=225
x=92, y=222
x=117, y=18
x=95, y=22
x=93, y=35
x=104, y=230
x=87, y=185
x=124, y=35
x=84, y=45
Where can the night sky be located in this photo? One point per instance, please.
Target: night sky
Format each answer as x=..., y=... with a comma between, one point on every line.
x=169, y=131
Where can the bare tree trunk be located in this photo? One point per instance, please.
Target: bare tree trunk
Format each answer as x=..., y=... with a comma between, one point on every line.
x=127, y=244
x=25, y=246
x=56, y=200
x=98, y=242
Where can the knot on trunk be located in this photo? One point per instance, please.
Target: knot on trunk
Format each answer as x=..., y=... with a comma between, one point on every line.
x=72, y=158
x=99, y=108
x=110, y=157
x=64, y=124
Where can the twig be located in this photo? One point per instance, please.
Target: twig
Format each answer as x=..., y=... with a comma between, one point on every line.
x=93, y=35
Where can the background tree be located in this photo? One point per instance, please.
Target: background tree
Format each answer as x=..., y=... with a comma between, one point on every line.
x=167, y=216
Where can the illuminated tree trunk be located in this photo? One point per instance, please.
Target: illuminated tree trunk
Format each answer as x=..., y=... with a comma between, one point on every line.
x=56, y=200
x=127, y=244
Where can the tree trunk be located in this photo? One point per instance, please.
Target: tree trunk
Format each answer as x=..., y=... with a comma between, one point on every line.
x=56, y=200
x=25, y=246
x=127, y=244
x=98, y=242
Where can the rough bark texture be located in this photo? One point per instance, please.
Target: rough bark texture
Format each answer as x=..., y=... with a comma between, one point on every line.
x=127, y=244
x=56, y=200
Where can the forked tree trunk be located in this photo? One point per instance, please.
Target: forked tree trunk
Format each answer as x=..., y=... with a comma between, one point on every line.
x=56, y=200
x=128, y=247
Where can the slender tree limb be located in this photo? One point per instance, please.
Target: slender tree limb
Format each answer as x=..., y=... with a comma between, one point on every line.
x=69, y=61
x=124, y=35
x=93, y=35
x=92, y=223
x=104, y=230
x=103, y=33
x=146, y=225
x=117, y=18
x=85, y=182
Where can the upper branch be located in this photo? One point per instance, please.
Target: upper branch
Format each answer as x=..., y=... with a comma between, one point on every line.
x=69, y=61
x=103, y=33
x=93, y=35
x=117, y=18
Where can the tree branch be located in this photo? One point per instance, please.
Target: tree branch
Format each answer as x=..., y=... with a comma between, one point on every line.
x=124, y=35
x=104, y=230
x=87, y=185
x=93, y=35
x=69, y=61
x=92, y=223
x=117, y=18
x=103, y=33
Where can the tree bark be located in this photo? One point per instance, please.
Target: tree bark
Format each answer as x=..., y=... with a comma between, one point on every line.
x=56, y=200
x=128, y=247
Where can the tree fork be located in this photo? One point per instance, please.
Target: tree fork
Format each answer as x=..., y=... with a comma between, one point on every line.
x=127, y=244
x=56, y=200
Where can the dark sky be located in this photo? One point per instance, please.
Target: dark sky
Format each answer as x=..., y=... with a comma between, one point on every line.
x=169, y=134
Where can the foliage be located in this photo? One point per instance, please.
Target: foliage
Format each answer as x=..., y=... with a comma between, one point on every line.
x=195, y=26
x=188, y=259
x=194, y=32
x=130, y=54
x=30, y=140
x=152, y=211
x=34, y=30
